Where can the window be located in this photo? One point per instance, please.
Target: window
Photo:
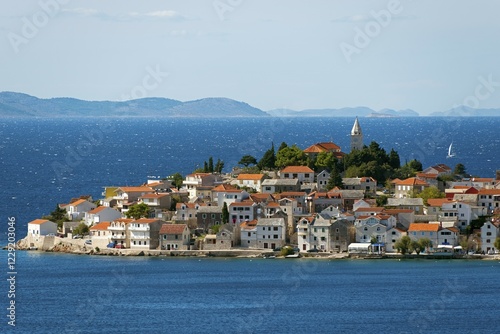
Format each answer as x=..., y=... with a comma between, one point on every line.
x=323, y=230
x=303, y=237
x=249, y=234
x=275, y=228
x=488, y=241
x=488, y=233
x=337, y=230
x=275, y=236
x=315, y=230
x=204, y=216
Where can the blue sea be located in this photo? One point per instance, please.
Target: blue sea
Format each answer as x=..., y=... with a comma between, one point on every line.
x=49, y=161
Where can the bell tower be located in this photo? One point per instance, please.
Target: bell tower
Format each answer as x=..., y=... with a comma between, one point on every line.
x=356, y=136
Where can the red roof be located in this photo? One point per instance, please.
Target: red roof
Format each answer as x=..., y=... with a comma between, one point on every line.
x=438, y=201
x=322, y=147
x=297, y=169
x=38, y=221
x=250, y=176
x=489, y=192
x=98, y=209
x=412, y=181
x=101, y=226
x=225, y=187
x=172, y=228
x=423, y=227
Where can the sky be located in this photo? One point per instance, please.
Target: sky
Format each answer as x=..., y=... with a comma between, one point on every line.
x=422, y=55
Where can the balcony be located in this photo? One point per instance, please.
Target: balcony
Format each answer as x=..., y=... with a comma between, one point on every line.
x=118, y=237
x=139, y=237
x=140, y=228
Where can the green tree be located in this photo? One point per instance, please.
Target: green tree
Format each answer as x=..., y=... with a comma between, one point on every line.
x=290, y=156
x=174, y=200
x=282, y=146
x=459, y=169
x=219, y=166
x=58, y=216
x=497, y=243
x=416, y=247
x=335, y=180
x=268, y=160
x=373, y=240
x=394, y=160
x=176, y=180
x=81, y=229
x=425, y=244
x=430, y=192
x=247, y=160
x=415, y=165
x=325, y=160
x=403, y=245
x=137, y=211
x=205, y=167
x=225, y=214
x=381, y=200
x=210, y=165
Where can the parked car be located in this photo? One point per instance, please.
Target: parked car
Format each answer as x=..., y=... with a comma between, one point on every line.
x=314, y=250
x=111, y=245
x=77, y=236
x=119, y=246
x=88, y=242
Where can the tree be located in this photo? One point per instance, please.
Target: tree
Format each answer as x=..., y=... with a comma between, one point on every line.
x=137, y=211
x=381, y=200
x=425, y=243
x=205, y=167
x=176, y=180
x=81, y=229
x=415, y=165
x=210, y=165
x=57, y=216
x=394, y=160
x=415, y=247
x=291, y=156
x=373, y=240
x=403, y=245
x=247, y=160
x=282, y=146
x=497, y=243
x=459, y=169
x=325, y=160
x=335, y=179
x=430, y=192
x=219, y=166
x=268, y=160
x=225, y=214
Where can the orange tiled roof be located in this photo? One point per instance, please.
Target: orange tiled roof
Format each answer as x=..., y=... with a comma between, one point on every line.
x=135, y=189
x=297, y=169
x=225, y=187
x=101, y=226
x=427, y=175
x=412, y=181
x=98, y=209
x=438, y=201
x=249, y=225
x=38, y=221
x=78, y=202
x=372, y=209
x=423, y=227
x=482, y=179
x=489, y=192
x=172, y=228
x=250, y=176
x=246, y=203
x=322, y=147
x=146, y=220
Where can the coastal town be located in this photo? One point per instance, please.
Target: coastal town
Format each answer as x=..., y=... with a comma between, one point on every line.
x=316, y=201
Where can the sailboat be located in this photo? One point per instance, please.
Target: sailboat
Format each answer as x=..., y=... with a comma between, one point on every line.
x=450, y=154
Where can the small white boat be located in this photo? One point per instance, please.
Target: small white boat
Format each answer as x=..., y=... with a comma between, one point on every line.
x=450, y=153
x=293, y=256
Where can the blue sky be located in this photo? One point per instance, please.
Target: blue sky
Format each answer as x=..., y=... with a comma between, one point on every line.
x=422, y=55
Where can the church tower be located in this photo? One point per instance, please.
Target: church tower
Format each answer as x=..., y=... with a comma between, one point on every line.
x=356, y=136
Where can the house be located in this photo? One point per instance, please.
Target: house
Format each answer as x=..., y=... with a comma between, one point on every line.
x=489, y=198
x=318, y=201
x=342, y=234
x=39, y=228
x=408, y=187
x=291, y=206
x=175, y=237
x=271, y=233
x=242, y=211
x=225, y=239
x=144, y=233
x=439, y=169
x=370, y=211
x=127, y=196
x=186, y=212
x=349, y=197
x=248, y=234
x=101, y=214
x=252, y=181
x=77, y=209
x=326, y=147
x=434, y=232
x=489, y=232
x=157, y=201
x=303, y=173
x=197, y=183
x=403, y=216
x=119, y=232
x=392, y=236
x=314, y=233
x=208, y=216
x=100, y=234
x=322, y=180
x=369, y=227
x=226, y=193
x=367, y=184
x=271, y=186
x=415, y=204
x=463, y=190
x=430, y=178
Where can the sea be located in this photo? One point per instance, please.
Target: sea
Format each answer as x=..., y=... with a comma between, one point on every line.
x=49, y=161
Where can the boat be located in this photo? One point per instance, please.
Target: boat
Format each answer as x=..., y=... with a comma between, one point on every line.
x=450, y=154
x=293, y=256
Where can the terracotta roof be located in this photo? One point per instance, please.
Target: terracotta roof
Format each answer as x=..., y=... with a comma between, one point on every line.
x=297, y=169
x=178, y=206
x=101, y=226
x=489, y=192
x=172, y=228
x=322, y=147
x=423, y=227
x=249, y=225
x=98, y=209
x=453, y=229
x=373, y=209
x=135, y=189
x=250, y=176
x=78, y=202
x=246, y=203
x=38, y=221
x=438, y=201
x=482, y=179
x=272, y=205
x=292, y=193
x=146, y=220
x=427, y=175
x=123, y=220
x=225, y=187
x=412, y=181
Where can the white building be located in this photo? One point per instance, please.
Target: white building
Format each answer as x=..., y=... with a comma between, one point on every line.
x=101, y=214
x=40, y=228
x=489, y=232
x=271, y=232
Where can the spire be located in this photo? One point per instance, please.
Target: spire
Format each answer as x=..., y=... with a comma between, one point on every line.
x=356, y=129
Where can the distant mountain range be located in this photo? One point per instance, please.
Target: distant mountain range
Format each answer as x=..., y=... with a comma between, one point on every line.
x=22, y=105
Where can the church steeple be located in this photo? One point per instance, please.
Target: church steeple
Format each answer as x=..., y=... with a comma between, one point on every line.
x=356, y=136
